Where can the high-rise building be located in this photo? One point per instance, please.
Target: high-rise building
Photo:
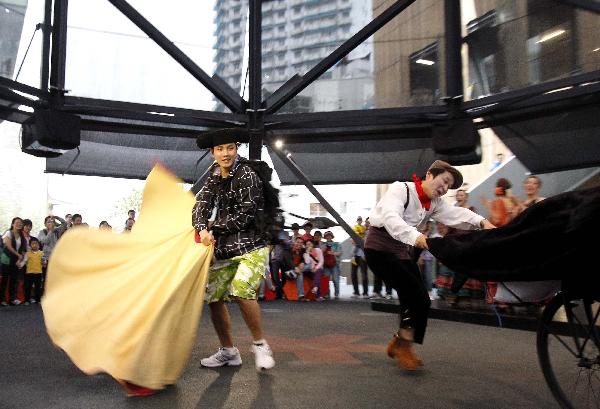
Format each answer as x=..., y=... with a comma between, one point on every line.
x=296, y=35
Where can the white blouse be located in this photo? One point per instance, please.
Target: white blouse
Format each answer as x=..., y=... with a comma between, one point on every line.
x=404, y=225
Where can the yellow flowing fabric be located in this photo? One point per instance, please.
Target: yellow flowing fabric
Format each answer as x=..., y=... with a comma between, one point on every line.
x=129, y=304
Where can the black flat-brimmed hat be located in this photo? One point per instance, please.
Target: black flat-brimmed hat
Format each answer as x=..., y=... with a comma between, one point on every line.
x=222, y=136
x=445, y=166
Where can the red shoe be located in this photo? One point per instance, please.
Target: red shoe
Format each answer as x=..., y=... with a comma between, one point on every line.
x=133, y=390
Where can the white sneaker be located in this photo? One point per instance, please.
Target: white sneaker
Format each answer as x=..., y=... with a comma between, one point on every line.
x=32, y=301
x=16, y=302
x=222, y=358
x=263, y=356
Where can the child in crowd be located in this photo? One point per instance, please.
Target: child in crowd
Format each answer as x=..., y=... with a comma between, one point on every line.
x=33, y=271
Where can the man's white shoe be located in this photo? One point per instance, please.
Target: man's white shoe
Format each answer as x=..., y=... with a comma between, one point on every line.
x=222, y=357
x=263, y=356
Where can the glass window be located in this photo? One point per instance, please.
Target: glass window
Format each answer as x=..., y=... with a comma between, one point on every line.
x=424, y=76
x=399, y=80
x=550, y=42
x=486, y=59
x=514, y=44
x=317, y=209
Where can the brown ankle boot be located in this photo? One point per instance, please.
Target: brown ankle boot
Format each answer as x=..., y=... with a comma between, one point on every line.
x=406, y=356
x=393, y=346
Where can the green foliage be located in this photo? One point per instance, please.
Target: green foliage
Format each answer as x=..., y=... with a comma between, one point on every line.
x=123, y=205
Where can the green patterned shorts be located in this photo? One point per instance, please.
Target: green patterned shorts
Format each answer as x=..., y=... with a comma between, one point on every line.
x=237, y=277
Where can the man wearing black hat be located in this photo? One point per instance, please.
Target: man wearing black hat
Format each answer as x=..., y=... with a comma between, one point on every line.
x=395, y=228
x=234, y=192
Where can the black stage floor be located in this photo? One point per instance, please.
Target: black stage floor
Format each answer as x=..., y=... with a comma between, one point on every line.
x=329, y=355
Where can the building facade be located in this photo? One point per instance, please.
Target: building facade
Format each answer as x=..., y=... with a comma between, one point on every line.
x=507, y=45
x=296, y=35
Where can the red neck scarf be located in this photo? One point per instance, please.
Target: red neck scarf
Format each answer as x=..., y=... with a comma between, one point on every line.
x=423, y=198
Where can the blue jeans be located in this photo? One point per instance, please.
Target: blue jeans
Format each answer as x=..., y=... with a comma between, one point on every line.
x=334, y=275
x=427, y=274
x=300, y=284
x=316, y=279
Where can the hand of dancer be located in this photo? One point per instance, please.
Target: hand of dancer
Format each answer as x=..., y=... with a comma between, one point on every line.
x=421, y=242
x=206, y=237
x=485, y=224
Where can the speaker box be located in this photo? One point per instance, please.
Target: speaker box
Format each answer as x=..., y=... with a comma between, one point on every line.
x=50, y=133
x=455, y=137
x=457, y=141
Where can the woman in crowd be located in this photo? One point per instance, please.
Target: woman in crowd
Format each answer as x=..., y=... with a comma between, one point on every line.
x=15, y=247
x=393, y=235
x=313, y=265
x=298, y=261
x=501, y=211
x=48, y=238
x=504, y=207
x=526, y=291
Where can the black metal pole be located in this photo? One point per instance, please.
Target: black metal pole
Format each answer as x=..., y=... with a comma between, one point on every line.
x=59, y=53
x=288, y=159
x=256, y=123
x=454, y=82
x=46, y=38
x=280, y=99
x=220, y=89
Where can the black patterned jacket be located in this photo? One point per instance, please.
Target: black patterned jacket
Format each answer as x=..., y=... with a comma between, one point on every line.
x=237, y=199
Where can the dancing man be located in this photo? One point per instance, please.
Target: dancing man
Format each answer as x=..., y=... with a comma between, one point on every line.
x=234, y=192
x=390, y=247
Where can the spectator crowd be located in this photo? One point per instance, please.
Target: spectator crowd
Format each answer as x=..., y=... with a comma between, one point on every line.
x=301, y=264
x=24, y=257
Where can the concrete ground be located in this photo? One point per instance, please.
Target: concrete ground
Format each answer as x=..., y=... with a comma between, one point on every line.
x=329, y=355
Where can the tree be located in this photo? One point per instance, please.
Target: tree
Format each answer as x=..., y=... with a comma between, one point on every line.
x=123, y=205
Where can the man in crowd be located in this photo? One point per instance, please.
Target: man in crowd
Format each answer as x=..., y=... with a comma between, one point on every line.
x=308, y=226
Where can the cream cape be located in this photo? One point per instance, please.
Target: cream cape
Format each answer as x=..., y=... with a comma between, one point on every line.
x=129, y=304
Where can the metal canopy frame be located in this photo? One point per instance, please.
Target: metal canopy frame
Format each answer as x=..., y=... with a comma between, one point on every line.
x=258, y=116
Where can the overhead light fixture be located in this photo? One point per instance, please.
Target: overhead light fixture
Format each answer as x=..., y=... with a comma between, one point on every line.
x=551, y=35
x=279, y=144
x=161, y=113
x=424, y=61
x=49, y=133
x=596, y=49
